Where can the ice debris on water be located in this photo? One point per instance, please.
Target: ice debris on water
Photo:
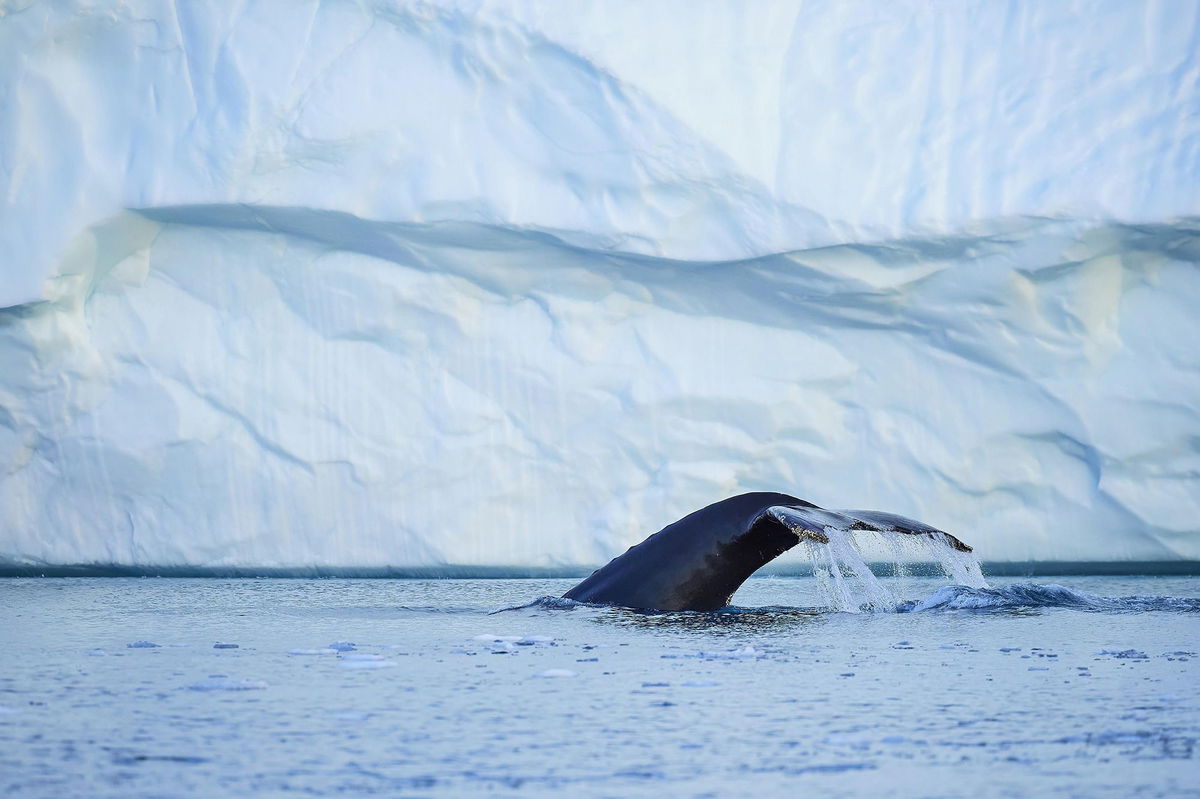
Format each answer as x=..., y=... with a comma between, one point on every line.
x=326, y=651
x=142, y=645
x=490, y=638
x=363, y=656
x=1124, y=654
x=342, y=646
x=226, y=684
x=745, y=653
x=97, y=653
x=225, y=646
x=556, y=673
x=367, y=664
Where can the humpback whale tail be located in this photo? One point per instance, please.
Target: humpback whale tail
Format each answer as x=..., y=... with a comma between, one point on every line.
x=698, y=562
x=810, y=523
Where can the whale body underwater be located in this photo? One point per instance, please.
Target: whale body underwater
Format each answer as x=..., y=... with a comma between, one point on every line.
x=698, y=562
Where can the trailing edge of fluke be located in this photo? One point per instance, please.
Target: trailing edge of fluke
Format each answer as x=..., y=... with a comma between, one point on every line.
x=698, y=562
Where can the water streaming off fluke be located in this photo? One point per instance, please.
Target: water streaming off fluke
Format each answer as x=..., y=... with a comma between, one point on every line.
x=833, y=541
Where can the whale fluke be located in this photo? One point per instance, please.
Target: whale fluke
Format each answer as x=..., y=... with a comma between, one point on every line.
x=698, y=562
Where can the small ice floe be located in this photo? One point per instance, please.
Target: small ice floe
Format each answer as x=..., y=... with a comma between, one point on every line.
x=9, y=711
x=342, y=646
x=141, y=645
x=97, y=653
x=555, y=673
x=364, y=665
x=535, y=640
x=216, y=683
x=835, y=768
x=494, y=639
x=699, y=684
x=1124, y=654
x=363, y=656
x=325, y=651
x=225, y=646
x=745, y=653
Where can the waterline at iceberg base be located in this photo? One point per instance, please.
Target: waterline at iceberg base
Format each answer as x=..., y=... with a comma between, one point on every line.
x=260, y=387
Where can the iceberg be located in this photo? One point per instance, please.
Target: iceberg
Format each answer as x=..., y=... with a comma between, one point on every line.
x=397, y=285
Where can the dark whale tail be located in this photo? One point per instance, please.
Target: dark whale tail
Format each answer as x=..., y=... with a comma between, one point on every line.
x=698, y=562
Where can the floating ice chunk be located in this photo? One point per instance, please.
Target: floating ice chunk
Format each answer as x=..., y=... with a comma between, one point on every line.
x=364, y=656
x=490, y=638
x=97, y=653
x=1124, y=654
x=556, y=673
x=9, y=711
x=141, y=645
x=745, y=653
x=699, y=683
x=367, y=664
x=532, y=640
x=225, y=646
x=226, y=684
x=326, y=651
x=342, y=646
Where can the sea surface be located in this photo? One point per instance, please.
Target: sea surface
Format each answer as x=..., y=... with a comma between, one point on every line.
x=154, y=687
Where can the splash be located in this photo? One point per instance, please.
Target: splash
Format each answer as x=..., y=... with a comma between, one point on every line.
x=847, y=582
x=1012, y=597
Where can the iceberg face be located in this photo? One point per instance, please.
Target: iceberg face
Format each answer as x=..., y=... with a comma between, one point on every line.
x=436, y=284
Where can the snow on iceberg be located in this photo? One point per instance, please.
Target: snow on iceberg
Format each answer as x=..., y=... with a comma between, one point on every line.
x=422, y=284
